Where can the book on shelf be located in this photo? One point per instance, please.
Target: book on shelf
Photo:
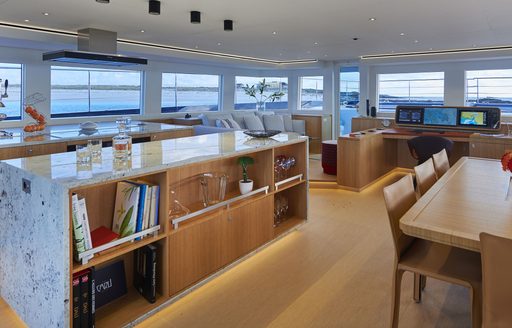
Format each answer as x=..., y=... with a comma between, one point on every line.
x=155, y=201
x=142, y=207
x=102, y=235
x=81, y=231
x=110, y=283
x=144, y=275
x=126, y=208
x=84, y=299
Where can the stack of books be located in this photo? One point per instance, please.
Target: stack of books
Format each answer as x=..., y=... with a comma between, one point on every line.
x=84, y=306
x=136, y=210
x=136, y=207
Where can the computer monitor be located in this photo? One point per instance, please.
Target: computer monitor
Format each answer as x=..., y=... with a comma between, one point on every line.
x=473, y=118
x=440, y=116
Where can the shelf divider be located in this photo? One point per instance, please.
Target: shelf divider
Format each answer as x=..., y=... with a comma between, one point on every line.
x=282, y=182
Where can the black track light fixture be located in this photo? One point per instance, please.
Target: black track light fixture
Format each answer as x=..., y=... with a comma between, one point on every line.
x=154, y=7
x=103, y=1
x=195, y=17
x=228, y=25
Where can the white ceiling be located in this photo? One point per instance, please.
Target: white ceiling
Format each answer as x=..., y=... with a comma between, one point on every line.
x=436, y=24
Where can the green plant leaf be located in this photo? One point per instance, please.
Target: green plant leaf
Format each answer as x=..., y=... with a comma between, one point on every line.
x=126, y=229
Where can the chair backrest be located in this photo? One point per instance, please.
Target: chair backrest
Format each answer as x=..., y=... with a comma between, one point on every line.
x=496, y=272
x=422, y=148
x=399, y=198
x=425, y=176
x=441, y=163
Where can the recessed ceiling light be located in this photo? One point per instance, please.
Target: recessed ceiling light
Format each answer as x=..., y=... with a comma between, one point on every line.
x=325, y=55
x=316, y=43
x=274, y=33
x=46, y=14
x=372, y=19
x=154, y=7
x=280, y=54
x=430, y=49
x=228, y=25
x=197, y=47
x=402, y=34
x=195, y=17
x=27, y=20
x=219, y=43
x=142, y=31
x=416, y=41
x=392, y=51
x=474, y=46
x=308, y=52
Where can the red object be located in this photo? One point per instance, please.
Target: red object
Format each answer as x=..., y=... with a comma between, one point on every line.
x=102, y=235
x=330, y=156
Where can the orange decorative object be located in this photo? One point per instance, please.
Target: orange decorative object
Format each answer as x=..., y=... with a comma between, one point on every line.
x=506, y=161
x=40, y=119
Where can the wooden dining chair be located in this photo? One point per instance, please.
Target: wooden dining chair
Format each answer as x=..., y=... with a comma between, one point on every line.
x=496, y=273
x=425, y=176
x=427, y=258
x=441, y=163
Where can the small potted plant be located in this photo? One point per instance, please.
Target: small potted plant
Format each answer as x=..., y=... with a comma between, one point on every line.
x=245, y=184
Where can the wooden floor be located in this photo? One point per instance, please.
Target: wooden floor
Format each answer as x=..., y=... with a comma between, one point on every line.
x=316, y=172
x=334, y=272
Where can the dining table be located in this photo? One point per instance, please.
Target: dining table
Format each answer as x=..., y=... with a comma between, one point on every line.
x=470, y=198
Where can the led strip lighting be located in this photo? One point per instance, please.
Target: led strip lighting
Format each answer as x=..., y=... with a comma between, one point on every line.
x=162, y=46
x=437, y=52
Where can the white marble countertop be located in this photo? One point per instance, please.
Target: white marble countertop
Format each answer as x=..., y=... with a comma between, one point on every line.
x=72, y=132
x=148, y=157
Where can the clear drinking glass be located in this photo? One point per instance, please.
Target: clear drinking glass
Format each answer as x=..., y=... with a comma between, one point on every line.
x=213, y=187
x=83, y=162
x=95, y=146
x=121, y=146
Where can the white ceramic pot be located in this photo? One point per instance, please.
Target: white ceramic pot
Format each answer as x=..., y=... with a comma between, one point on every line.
x=245, y=187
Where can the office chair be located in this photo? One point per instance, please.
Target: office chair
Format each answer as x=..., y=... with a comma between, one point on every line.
x=422, y=148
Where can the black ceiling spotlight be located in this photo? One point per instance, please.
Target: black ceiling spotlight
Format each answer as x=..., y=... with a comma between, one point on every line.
x=103, y=1
x=195, y=17
x=228, y=25
x=154, y=7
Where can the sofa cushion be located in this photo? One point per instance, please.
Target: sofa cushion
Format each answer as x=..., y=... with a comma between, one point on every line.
x=260, y=114
x=233, y=124
x=253, y=123
x=239, y=117
x=288, y=124
x=273, y=122
x=210, y=118
x=222, y=124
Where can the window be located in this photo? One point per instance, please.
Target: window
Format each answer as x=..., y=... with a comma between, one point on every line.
x=491, y=88
x=275, y=86
x=349, y=97
x=11, y=98
x=92, y=92
x=349, y=88
x=422, y=89
x=311, y=92
x=190, y=92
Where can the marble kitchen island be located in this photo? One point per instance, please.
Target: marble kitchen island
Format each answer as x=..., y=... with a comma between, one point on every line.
x=36, y=262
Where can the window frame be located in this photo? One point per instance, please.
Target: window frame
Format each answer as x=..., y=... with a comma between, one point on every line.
x=392, y=111
x=89, y=113
x=167, y=110
x=22, y=90
x=504, y=112
x=300, y=93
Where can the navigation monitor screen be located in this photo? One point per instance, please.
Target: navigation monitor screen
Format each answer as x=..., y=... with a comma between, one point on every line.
x=411, y=116
x=473, y=118
x=440, y=116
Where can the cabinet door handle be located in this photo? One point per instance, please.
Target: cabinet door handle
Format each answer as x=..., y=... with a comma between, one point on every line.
x=30, y=150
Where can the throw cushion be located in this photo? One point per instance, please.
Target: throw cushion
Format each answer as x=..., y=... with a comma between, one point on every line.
x=210, y=118
x=273, y=122
x=239, y=117
x=233, y=124
x=222, y=124
x=261, y=114
x=253, y=123
x=288, y=124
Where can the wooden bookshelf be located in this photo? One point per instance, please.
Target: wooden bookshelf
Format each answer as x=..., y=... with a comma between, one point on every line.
x=206, y=243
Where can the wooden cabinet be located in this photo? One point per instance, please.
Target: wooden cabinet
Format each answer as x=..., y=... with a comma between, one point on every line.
x=195, y=251
x=172, y=134
x=34, y=150
x=203, y=247
x=318, y=128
